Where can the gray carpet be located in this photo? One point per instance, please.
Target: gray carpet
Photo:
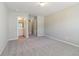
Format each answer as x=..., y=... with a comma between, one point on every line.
x=39, y=46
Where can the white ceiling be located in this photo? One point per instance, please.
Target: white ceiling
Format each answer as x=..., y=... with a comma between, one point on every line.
x=34, y=8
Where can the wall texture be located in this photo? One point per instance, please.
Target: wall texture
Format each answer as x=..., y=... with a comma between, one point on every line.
x=64, y=25
x=3, y=27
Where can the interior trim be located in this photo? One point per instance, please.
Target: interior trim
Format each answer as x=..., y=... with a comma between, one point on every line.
x=64, y=41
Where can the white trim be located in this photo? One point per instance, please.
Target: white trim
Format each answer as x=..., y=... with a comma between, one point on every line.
x=3, y=47
x=16, y=38
x=73, y=44
x=13, y=38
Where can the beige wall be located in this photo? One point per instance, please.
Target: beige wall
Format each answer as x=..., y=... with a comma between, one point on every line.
x=64, y=25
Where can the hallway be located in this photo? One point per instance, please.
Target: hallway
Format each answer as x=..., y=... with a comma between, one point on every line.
x=39, y=46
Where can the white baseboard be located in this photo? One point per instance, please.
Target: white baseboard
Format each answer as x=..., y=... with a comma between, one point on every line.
x=41, y=35
x=3, y=47
x=16, y=38
x=13, y=38
x=73, y=44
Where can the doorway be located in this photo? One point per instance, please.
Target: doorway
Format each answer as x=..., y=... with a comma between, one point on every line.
x=21, y=27
x=32, y=26
x=26, y=27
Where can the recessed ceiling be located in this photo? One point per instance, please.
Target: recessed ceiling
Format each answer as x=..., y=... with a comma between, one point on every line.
x=35, y=9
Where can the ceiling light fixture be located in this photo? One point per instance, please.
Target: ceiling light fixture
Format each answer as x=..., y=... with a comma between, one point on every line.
x=43, y=4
